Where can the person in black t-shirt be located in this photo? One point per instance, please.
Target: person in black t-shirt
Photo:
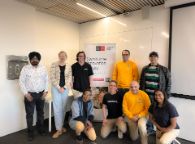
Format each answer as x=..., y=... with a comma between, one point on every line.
x=112, y=105
x=164, y=115
x=82, y=72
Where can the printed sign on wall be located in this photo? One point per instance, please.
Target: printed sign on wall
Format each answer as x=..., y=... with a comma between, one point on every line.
x=102, y=59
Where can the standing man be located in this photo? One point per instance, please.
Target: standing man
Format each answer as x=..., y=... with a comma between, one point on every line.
x=154, y=77
x=112, y=104
x=125, y=72
x=82, y=73
x=135, y=107
x=34, y=85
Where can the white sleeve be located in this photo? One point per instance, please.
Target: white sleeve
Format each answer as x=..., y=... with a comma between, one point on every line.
x=46, y=79
x=22, y=79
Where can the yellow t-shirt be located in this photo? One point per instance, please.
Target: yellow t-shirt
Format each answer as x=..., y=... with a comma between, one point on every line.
x=124, y=73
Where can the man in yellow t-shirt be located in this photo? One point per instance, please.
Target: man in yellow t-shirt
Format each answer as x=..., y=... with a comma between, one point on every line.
x=135, y=108
x=125, y=72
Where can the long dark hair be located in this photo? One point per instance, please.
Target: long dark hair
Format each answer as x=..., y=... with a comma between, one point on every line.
x=165, y=98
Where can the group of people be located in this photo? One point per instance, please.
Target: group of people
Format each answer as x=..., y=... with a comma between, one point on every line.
x=130, y=101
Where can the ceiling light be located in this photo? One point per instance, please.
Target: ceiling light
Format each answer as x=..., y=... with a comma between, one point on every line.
x=81, y=5
x=90, y=9
x=123, y=24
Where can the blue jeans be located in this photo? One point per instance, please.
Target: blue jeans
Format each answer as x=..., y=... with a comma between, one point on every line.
x=59, y=106
x=150, y=127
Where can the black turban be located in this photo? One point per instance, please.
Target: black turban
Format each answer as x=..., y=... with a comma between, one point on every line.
x=34, y=54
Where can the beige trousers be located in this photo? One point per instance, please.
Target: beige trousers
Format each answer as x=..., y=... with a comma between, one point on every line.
x=79, y=128
x=166, y=138
x=107, y=129
x=139, y=126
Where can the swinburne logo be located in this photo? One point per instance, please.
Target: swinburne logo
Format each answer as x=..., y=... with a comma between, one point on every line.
x=100, y=48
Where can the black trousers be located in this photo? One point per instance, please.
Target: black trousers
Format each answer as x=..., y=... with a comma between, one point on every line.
x=30, y=106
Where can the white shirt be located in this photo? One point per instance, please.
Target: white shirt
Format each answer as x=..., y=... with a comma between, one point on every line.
x=33, y=79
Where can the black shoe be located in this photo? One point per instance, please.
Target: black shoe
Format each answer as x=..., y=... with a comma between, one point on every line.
x=151, y=132
x=93, y=142
x=42, y=132
x=79, y=139
x=30, y=136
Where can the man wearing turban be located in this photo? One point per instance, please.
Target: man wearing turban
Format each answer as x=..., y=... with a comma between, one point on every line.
x=33, y=82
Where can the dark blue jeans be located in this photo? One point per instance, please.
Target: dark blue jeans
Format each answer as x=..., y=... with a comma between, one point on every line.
x=30, y=106
x=149, y=125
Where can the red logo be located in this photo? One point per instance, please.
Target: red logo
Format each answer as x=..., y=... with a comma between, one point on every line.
x=100, y=48
x=98, y=79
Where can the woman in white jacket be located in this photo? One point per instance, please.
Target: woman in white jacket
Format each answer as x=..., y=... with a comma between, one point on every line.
x=61, y=79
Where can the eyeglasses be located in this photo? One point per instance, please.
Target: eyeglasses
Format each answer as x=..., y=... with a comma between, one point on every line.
x=125, y=54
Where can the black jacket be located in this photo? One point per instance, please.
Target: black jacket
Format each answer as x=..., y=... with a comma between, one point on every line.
x=164, y=81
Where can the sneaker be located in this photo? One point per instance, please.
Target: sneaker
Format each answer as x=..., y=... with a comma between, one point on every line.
x=57, y=134
x=120, y=135
x=79, y=139
x=150, y=132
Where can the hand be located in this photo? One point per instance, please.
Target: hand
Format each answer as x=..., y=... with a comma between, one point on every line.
x=29, y=97
x=44, y=95
x=135, y=118
x=88, y=125
x=158, y=134
x=61, y=90
x=163, y=130
x=71, y=85
x=104, y=122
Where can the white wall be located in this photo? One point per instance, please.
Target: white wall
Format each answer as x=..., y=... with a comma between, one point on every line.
x=186, y=120
x=141, y=36
x=23, y=29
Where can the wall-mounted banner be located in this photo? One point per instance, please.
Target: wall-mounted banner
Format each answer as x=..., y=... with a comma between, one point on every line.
x=102, y=59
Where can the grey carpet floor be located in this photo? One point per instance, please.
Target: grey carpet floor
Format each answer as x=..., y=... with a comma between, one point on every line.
x=69, y=138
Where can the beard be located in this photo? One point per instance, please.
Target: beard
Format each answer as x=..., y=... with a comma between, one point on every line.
x=34, y=63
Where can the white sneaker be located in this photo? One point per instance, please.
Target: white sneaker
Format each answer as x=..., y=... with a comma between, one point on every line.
x=120, y=135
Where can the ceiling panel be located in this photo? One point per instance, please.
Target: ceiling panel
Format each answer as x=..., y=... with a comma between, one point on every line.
x=69, y=9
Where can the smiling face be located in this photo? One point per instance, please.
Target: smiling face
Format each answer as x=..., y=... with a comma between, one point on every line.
x=86, y=96
x=159, y=97
x=134, y=87
x=112, y=87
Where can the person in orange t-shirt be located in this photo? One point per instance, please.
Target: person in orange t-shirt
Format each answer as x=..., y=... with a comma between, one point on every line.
x=125, y=72
x=135, y=108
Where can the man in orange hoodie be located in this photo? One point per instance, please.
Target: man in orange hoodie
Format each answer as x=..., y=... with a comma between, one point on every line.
x=125, y=72
x=135, y=108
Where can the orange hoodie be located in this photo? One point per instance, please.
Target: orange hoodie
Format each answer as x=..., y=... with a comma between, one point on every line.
x=136, y=104
x=124, y=73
